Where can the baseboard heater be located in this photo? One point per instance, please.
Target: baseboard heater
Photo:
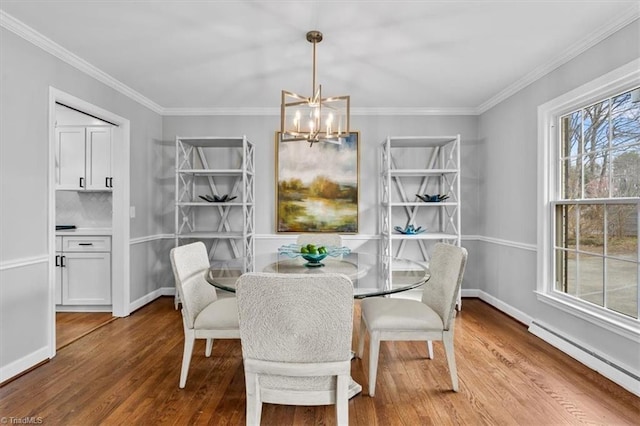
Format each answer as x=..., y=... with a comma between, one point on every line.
x=587, y=351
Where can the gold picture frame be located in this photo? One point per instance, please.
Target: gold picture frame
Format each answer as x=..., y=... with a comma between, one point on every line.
x=317, y=187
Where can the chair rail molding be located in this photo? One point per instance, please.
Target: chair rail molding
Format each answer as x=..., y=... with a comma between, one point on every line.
x=501, y=242
x=149, y=238
x=20, y=263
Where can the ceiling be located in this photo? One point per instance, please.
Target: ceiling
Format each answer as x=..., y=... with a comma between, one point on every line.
x=208, y=56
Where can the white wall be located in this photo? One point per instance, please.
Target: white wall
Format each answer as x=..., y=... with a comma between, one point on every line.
x=507, y=136
x=27, y=72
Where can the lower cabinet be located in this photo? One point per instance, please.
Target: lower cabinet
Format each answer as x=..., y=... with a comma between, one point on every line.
x=83, y=273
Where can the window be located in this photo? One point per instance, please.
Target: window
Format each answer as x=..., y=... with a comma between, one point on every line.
x=596, y=215
x=590, y=156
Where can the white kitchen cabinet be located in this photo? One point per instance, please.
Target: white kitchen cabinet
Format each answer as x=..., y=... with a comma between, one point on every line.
x=83, y=158
x=58, y=289
x=83, y=275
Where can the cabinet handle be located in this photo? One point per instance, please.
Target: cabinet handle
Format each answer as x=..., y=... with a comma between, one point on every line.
x=81, y=182
x=106, y=182
x=110, y=182
x=62, y=261
x=57, y=260
x=85, y=244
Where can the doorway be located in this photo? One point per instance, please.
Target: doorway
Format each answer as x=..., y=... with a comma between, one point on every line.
x=119, y=255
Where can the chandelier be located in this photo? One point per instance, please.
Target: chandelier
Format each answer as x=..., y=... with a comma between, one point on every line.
x=314, y=119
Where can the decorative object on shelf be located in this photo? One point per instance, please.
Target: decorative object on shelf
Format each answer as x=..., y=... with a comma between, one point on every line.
x=319, y=192
x=312, y=254
x=409, y=230
x=224, y=199
x=314, y=119
x=432, y=198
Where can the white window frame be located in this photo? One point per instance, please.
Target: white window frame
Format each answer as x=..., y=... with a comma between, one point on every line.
x=549, y=113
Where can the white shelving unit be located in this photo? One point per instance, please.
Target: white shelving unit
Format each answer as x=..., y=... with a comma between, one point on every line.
x=214, y=167
x=419, y=165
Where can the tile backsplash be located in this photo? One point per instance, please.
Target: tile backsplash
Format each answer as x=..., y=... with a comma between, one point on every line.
x=84, y=209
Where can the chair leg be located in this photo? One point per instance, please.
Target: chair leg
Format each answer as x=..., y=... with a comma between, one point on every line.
x=374, y=350
x=447, y=340
x=208, y=347
x=189, y=339
x=430, y=349
x=254, y=404
x=361, y=336
x=342, y=400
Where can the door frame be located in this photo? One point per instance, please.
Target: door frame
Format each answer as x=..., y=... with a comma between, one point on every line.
x=120, y=258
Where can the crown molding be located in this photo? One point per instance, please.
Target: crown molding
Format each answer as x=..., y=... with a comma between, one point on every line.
x=262, y=111
x=29, y=34
x=275, y=111
x=19, y=28
x=576, y=49
x=418, y=111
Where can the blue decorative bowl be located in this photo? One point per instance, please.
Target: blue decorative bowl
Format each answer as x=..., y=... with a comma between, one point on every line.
x=432, y=198
x=410, y=230
x=313, y=260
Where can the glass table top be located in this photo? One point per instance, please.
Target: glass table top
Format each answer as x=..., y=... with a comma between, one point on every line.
x=369, y=272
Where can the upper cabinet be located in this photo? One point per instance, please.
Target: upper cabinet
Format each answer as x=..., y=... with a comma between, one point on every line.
x=83, y=158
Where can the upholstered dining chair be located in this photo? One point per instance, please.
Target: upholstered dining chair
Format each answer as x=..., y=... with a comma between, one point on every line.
x=295, y=331
x=204, y=315
x=320, y=239
x=430, y=319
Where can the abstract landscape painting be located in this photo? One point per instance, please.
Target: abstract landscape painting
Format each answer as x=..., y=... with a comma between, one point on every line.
x=317, y=186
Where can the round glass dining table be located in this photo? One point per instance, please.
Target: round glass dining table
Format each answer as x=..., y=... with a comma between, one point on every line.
x=369, y=273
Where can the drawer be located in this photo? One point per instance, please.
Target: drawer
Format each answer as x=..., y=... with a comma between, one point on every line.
x=79, y=244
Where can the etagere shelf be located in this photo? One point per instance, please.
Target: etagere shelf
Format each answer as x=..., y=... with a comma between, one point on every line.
x=412, y=166
x=207, y=169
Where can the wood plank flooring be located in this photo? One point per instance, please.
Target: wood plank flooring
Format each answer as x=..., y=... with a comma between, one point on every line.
x=70, y=326
x=127, y=371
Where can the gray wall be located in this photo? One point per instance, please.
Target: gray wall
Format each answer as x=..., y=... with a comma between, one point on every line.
x=507, y=137
x=373, y=131
x=27, y=73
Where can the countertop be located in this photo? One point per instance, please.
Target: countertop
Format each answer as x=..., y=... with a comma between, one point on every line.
x=84, y=231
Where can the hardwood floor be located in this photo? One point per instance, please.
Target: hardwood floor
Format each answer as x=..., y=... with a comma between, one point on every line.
x=127, y=372
x=70, y=326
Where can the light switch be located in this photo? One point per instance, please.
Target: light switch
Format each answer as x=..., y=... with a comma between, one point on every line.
x=132, y=212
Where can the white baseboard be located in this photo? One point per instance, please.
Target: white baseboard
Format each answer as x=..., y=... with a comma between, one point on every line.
x=589, y=357
x=517, y=314
x=20, y=365
x=150, y=297
x=84, y=308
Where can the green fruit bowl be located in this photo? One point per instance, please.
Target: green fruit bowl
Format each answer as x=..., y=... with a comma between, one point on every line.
x=313, y=259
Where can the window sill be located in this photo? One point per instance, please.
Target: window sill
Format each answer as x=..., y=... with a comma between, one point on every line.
x=625, y=327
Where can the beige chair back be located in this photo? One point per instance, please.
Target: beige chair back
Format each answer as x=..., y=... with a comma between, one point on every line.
x=295, y=318
x=446, y=266
x=190, y=264
x=320, y=239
